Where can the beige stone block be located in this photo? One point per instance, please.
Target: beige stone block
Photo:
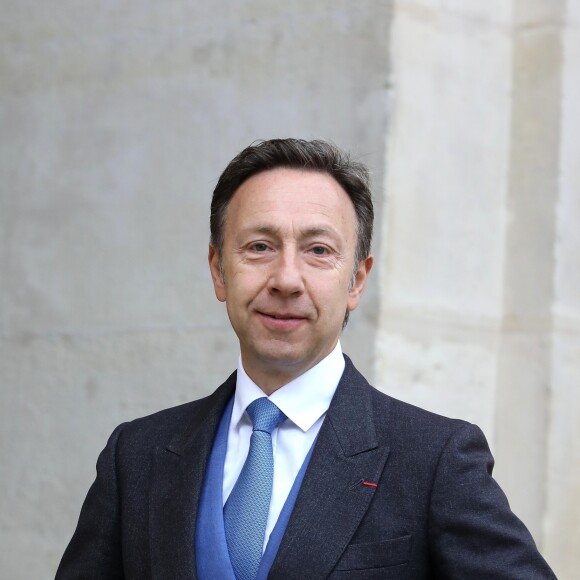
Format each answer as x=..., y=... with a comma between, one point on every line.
x=562, y=519
x=533, y=179
x=449, y=375
x=561, y=524
x=492, y=13
x=537, y=14
x=521, y=423
x=567, y=252
x=447, y=163
x=524, y=353
x=498, y=287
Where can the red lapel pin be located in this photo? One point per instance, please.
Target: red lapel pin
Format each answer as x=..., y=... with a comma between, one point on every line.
x=370, y=484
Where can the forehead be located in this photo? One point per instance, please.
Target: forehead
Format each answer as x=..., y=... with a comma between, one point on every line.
x=291, y=194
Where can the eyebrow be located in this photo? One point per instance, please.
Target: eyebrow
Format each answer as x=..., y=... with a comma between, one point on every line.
x=308, y=232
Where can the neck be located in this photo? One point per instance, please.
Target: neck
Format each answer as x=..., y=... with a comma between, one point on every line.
x=269, y=382
x=271, y=377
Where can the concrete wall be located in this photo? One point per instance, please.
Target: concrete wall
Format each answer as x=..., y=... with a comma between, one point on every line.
x=479, y=316
x=117, y=119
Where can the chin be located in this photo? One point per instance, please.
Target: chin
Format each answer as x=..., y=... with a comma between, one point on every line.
x=282, y=358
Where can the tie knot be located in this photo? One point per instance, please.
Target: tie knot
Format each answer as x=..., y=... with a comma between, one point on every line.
x=265, y=415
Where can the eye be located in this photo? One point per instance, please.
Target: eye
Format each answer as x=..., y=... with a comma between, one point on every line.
x=319, y=250
x=259, y=247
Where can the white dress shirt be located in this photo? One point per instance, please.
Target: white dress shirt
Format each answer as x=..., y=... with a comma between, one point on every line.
x=304, y=401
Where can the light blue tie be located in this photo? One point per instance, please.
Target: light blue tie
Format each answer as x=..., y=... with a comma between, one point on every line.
x=246, y=511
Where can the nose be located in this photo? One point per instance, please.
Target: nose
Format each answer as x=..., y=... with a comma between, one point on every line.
x=286, y=277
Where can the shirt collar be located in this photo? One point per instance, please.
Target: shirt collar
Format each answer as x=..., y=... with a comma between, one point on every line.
x=303, y=400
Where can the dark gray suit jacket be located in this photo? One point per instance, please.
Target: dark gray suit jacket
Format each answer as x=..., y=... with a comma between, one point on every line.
x=432, y=509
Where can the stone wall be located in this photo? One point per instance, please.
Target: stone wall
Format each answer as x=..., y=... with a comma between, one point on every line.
x=117, y=118
x=562, y=500
x=116, y=121
x=480, y=313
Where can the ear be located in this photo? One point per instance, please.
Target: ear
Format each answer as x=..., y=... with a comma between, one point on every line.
x=360, y=280
x=216, y=275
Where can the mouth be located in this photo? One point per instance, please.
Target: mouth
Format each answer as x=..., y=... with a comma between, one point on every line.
x=281, y=320
x=282, y=316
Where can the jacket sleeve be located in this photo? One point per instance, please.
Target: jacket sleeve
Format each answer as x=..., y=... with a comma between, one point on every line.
x=473, y=532
x=95, y=548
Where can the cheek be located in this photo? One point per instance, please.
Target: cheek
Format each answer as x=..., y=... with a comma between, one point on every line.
x=333, y=299
x=242, y=289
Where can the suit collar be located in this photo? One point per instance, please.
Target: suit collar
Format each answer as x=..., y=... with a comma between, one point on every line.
x=179, y=468
x=333, y=500
x=330, y=505
x=351, y=413
x=207, y=413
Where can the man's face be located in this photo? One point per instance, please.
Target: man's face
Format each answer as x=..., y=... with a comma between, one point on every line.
x=288, y=259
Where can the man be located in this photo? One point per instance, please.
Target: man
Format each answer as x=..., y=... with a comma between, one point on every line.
x=296, y=467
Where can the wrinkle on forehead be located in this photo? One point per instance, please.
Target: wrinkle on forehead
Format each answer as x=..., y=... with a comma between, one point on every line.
x=292, y=202
x=292, y=207
x=281, y=231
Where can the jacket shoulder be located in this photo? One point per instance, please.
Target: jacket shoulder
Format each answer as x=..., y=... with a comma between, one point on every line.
x=402, y=423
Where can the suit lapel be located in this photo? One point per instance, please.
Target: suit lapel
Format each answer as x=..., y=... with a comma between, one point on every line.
x=178, y=471
x=333, y=499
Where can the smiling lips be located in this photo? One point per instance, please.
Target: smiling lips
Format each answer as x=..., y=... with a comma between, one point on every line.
x=281, y=320
x=283, y=316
